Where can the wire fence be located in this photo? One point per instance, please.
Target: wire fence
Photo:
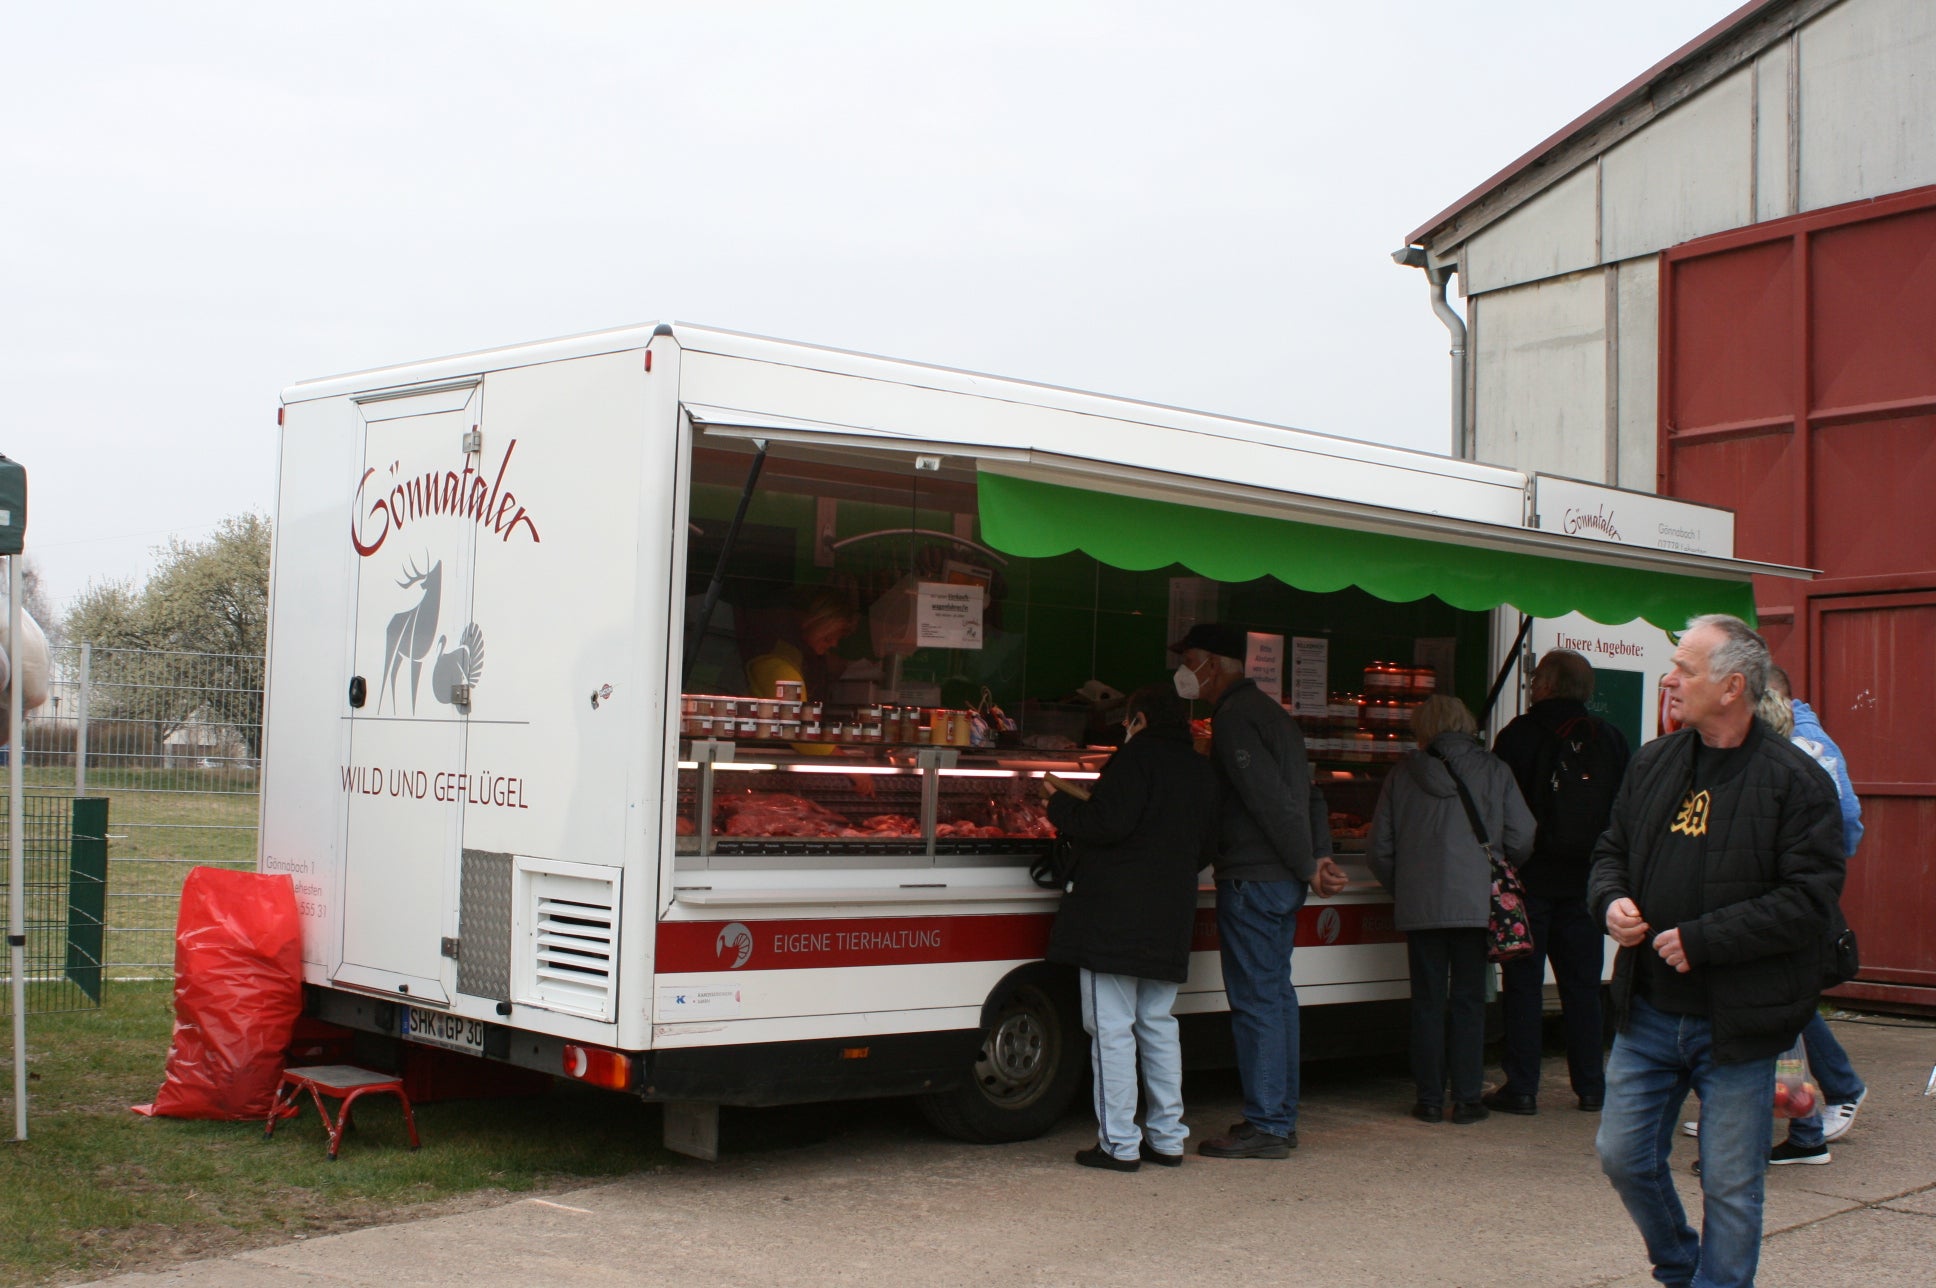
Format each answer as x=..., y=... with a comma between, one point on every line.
x=173, y=743
x=64, y=848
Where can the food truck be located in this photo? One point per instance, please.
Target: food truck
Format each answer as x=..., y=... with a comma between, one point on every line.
x=666, y=708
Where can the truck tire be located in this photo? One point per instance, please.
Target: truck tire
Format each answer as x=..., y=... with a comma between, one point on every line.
x=1027, y=1069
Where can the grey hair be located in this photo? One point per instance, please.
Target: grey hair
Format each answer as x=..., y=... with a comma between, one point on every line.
x=1740, y=652
x=1228, y=665
x=1439, y=714
x=1564, y=673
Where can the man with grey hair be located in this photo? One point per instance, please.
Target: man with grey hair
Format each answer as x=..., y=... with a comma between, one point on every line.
x=1273, y=848
x=1569, y=764
x=1718, y=876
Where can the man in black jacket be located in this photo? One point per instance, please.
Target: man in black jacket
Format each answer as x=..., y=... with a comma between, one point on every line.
x=1569, y=764
x=1718, y=877
x=1268, y=858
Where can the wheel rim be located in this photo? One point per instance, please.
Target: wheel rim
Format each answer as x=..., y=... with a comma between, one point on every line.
x=1020, y=1052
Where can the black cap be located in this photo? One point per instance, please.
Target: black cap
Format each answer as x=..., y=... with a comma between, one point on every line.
x=1220, y=638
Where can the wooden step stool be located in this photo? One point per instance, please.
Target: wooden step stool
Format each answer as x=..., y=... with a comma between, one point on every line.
x=344, y=1082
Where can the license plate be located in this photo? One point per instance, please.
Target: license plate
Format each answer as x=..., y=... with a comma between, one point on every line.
x=440, y=1028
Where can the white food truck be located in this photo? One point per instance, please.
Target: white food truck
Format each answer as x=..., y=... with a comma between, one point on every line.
x=664, y=707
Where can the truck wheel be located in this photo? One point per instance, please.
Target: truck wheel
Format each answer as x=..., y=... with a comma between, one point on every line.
x=1025, y=1073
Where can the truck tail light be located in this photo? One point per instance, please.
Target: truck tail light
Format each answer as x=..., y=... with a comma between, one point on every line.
x=598, y=1066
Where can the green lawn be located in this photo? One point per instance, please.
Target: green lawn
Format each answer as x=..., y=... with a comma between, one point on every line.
x=161, y=823
x=97, y=1189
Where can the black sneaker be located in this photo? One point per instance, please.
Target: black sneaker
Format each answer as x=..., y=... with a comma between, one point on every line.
x=1510, y=1102
x=1467, y=1114
x=1244, y=1127
x=1097, y=1156
x=1789, y=1152
x=1251, y=1144
x=1428, y=1113
x=1151, y=1154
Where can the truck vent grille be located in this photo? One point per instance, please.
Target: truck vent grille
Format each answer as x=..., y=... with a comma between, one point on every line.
x=572, y=931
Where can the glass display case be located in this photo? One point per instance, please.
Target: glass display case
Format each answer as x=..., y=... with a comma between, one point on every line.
x=906, y=804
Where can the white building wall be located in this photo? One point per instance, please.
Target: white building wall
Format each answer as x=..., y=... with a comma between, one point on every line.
x=1842, y=110
x=1543, y=348
x=1868, y=101
x=1556, y=232
x=1688, y=174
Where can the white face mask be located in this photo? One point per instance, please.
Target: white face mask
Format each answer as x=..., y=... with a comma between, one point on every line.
x=1187, y=687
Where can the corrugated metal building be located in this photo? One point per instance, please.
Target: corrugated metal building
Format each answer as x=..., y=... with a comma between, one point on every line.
x=1720, y=284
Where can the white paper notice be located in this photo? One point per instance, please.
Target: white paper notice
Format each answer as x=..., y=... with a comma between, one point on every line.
x=1264, y=662
x=1310, y=668
x=949, y=616
x=713, y=1001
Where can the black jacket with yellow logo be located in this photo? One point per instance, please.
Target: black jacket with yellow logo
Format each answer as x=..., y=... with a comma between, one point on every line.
x=1771, y=879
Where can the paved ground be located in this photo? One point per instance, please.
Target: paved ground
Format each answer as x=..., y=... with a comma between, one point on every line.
x=1373, y=1198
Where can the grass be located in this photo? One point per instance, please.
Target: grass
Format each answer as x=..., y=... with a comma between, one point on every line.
x=161, y=823
x=97, y=1190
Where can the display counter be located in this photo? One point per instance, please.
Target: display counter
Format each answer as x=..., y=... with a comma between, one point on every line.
x=741, y=800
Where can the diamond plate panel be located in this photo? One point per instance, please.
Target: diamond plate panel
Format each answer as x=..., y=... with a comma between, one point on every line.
x=484, y=925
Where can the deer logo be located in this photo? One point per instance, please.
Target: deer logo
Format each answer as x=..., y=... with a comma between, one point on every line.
x=411, y=632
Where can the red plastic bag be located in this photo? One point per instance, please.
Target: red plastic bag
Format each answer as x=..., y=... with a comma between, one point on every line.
x=238, y=991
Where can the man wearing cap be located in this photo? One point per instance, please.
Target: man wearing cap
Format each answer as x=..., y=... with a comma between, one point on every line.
x=1268, y=859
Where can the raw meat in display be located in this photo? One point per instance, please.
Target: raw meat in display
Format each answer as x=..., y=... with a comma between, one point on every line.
x=777, y=814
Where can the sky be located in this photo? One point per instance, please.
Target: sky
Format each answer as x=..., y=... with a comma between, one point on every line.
x=1187, y=204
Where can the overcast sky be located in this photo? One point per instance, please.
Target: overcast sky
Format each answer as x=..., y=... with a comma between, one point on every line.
x=1187, y=203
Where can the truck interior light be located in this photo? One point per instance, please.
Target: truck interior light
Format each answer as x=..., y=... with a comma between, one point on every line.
x=742, y=767
x=854, y=1053
x=981, y=773
x=840, y=769
x=599, y=1067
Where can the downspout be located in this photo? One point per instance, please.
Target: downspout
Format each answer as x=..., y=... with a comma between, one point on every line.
x=1436, y=277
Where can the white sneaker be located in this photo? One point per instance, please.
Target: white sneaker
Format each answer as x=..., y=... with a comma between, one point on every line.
x=1837, y=1119
x=1691, y=1129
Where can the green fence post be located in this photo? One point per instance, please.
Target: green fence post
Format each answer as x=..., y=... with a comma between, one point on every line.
x=87, y=894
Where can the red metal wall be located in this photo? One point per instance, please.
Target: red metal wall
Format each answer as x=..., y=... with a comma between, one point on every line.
x=1798, y=388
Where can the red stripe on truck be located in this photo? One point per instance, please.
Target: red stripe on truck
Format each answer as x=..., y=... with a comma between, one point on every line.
x=693, y=947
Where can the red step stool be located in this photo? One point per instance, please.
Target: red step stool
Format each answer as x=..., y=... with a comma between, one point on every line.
x=344, y=1082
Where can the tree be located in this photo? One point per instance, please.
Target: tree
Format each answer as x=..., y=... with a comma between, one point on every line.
x=209, y=598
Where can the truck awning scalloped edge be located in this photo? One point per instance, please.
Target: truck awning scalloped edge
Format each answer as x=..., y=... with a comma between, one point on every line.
x=1033, y=519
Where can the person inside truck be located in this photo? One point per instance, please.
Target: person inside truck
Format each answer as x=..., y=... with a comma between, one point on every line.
x=803, y=650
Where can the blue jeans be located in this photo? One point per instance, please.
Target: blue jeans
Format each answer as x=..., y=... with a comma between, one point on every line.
x=1833, y=1074
x=1564, y=933
x=1257, y=926
x=1656, y=1058
x=1129, y=1020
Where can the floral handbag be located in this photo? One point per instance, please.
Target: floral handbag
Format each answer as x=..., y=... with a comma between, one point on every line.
x=1509, y=934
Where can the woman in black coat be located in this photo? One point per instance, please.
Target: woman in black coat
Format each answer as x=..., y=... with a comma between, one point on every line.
x=1138, y=840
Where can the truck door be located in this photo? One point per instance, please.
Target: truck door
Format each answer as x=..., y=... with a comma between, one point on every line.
x=404, y=822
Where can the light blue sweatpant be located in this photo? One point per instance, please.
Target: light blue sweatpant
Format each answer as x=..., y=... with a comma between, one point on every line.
x=1126, y=1018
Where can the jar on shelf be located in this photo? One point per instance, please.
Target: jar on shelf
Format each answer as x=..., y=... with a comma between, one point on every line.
x=1425, y=682
x=1384, y=680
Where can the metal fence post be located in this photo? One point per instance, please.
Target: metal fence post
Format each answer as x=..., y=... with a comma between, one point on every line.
x=80, y=734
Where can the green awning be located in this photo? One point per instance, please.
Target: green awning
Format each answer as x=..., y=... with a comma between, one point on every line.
x=1031, y=519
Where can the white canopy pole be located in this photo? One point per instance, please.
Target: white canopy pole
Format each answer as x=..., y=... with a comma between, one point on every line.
x=17, y=860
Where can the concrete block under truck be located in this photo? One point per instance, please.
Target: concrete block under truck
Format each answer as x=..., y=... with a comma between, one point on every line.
x=664, y=707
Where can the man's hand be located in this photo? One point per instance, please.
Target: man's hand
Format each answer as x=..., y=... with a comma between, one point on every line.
x=1329, y=879
x=1625, y=923
x=1668, y=944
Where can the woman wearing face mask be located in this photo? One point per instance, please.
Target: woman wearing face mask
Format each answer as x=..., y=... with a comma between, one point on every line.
x=1146, y=828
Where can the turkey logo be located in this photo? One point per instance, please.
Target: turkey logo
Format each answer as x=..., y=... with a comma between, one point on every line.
x=1329, y=926
x=736, y=939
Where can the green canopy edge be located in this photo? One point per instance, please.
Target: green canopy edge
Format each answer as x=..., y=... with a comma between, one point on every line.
x=1031, y=519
